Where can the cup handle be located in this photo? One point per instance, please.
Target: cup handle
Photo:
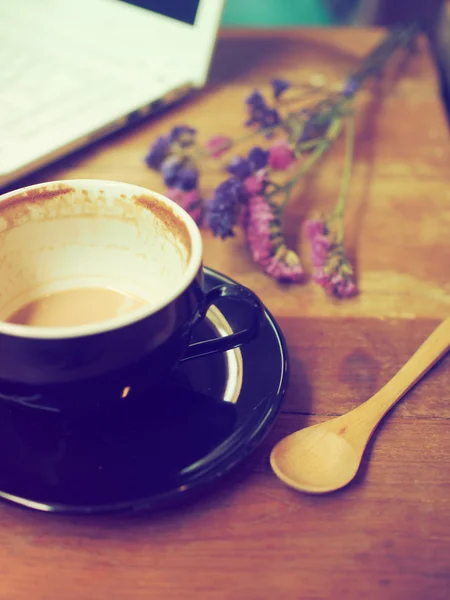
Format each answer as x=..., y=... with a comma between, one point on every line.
x=237, y=293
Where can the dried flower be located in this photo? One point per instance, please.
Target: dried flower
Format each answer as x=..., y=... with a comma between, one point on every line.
x=281, y=156
x=159, y=151
x=351, y=87
x=270, y=119
x=256, y=192
x=179, y=173
x=260, y=113
x=218, y=145
x=279, y=86
x=266, y=242
x=240, y=168
x=188, y=178
x=314, y=228
x=225, y=207
x=182, y=135
x=191, y=202
x=170, y=168
x=257, y=158
x=256, y=184
x=317, y=235
x=243, y=168
x=332, y=269
x=255, y=99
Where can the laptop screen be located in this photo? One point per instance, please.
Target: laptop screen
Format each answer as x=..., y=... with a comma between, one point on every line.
x=180, y=10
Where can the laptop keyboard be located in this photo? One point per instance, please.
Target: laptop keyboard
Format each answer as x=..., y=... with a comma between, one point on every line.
x=37, y=90
x=55, y=90
x=36, y=94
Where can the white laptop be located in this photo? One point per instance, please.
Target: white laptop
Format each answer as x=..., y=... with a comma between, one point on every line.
x=73, y=71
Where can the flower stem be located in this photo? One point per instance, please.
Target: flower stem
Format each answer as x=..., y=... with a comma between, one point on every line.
x=338, y=212
x=320, y=149
x=397, y=38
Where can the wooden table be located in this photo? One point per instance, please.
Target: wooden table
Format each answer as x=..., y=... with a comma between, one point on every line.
x=388, y=534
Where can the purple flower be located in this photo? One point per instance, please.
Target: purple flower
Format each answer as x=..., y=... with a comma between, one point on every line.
x=257, y=158
x=271, y=118
x=332, y=269
x=225, y=207
x=188, y=178
x=279, y=86
x=351, y=87
x=170, y=169
x=240, y=168
x=255, y=99
x=178, y=174
x=266, y=118
x=182, y=135
x=260, y=113
x=159, y=151
x=266, y=242
x=190, y=201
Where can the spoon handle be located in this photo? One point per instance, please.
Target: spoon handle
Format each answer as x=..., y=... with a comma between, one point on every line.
x=427, y=355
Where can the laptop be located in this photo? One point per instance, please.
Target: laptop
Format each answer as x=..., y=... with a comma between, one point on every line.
x=74, y=71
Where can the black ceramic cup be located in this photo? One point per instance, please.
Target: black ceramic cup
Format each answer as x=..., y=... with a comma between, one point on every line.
x=88, y=234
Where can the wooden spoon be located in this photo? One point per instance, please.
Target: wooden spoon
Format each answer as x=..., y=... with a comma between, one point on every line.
x=325, y=457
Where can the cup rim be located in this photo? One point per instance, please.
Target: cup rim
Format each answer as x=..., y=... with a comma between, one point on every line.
x=137, y=314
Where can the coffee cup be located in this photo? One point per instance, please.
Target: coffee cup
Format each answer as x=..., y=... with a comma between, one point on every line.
x=76, y=244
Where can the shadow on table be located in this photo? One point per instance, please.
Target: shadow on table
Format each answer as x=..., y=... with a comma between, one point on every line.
x=237, y=57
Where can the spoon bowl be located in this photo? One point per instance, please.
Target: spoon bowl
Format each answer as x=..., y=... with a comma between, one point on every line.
x=328, y=461
x=326, y=457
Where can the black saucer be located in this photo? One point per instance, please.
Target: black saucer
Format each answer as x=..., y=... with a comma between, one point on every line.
x=149, y=451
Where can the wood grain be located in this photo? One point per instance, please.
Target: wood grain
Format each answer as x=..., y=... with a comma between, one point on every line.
x=388, y=534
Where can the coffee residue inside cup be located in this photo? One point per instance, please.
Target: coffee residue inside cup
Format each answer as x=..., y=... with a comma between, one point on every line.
x=74, y=307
